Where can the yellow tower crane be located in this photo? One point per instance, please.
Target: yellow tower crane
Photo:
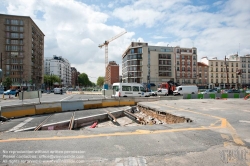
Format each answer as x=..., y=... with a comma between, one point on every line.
x=106, y=43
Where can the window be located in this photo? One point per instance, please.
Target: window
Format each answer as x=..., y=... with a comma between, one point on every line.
x=14, y=28
x=21, y=22
x=178, y=68
x=177, y=56
x=142, y=89
x=178, y=62
x=136, y=88
x=7, y=21
x=14, y=22
x=14, y=35
x=183, y=68
x=21, y=29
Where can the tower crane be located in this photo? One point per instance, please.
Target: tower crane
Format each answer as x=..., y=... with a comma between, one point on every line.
x=106, y=43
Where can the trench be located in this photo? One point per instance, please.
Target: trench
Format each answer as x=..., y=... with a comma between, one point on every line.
x=135, y=116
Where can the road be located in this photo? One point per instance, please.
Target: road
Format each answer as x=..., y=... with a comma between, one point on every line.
x=48, y=98
x=218, y=135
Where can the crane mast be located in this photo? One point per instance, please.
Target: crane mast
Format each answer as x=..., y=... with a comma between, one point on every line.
x=106, y=43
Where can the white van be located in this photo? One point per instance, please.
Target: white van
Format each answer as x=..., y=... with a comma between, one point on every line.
x=129, y=89
x=180, y=90
x=161, y=92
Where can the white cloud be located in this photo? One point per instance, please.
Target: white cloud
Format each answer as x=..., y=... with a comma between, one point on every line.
x=74, y=30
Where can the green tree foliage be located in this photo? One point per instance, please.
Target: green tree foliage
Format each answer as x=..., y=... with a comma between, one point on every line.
x=51, y=79
x=7, y=82
x=83, y=80
x=100, y=81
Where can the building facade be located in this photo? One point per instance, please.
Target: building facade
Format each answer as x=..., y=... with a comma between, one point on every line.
x=146, y=64
x=112, y=73
x=74, y=77
x=245, y=71
x=186, y=65
x=203, y=77
x=60, y=67
x=22, y=51
x=223, y=73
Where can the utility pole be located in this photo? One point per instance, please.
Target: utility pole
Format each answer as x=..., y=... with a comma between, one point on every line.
x=226, y=71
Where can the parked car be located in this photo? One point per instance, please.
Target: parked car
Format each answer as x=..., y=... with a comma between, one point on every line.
x=10, y=92
x=248, y=91
x=209, y=91
x=232, y=91
x=58, y=90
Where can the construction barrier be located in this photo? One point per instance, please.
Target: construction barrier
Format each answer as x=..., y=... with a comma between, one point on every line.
x=18, y=110
x=72, y=105
x=45, y=108
x=89, y=104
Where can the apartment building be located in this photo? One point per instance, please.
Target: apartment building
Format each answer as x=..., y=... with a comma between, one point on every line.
x=112, y=73
x=22, y=51
x=202, y=76
x=60, y=67
x=142, y=63
x=74, y=77
x=245, y=70
x=223, y=73
x=186, y=65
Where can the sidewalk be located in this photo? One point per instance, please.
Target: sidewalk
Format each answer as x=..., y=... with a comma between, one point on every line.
x=8, y=97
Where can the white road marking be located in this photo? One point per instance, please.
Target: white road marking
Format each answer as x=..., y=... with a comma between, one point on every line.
x=20, y=125
x=244, y=121
x=67, y=97
x=131, y=161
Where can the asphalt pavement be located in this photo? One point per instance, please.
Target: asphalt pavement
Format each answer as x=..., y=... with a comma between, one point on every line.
x=218, y=135
x=47, y=98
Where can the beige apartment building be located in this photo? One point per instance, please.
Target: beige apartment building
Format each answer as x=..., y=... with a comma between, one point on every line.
x=223, y=73
x=22, y=51
x=146, y=64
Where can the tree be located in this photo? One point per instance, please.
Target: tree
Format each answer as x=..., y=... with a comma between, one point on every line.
x=100, y=81
x=51, y=79
x=7, y=82
x=83, y=79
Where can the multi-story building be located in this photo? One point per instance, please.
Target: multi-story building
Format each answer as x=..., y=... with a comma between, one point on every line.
x=202, y=77
x=223, y=73
x=186, y=65
x=112, y=73
x=74, y=77
x=157, y=64
x=22, y=51
x=245, y=70
x=60, y=67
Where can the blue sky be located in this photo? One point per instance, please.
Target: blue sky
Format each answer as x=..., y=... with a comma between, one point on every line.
x=74, y=28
